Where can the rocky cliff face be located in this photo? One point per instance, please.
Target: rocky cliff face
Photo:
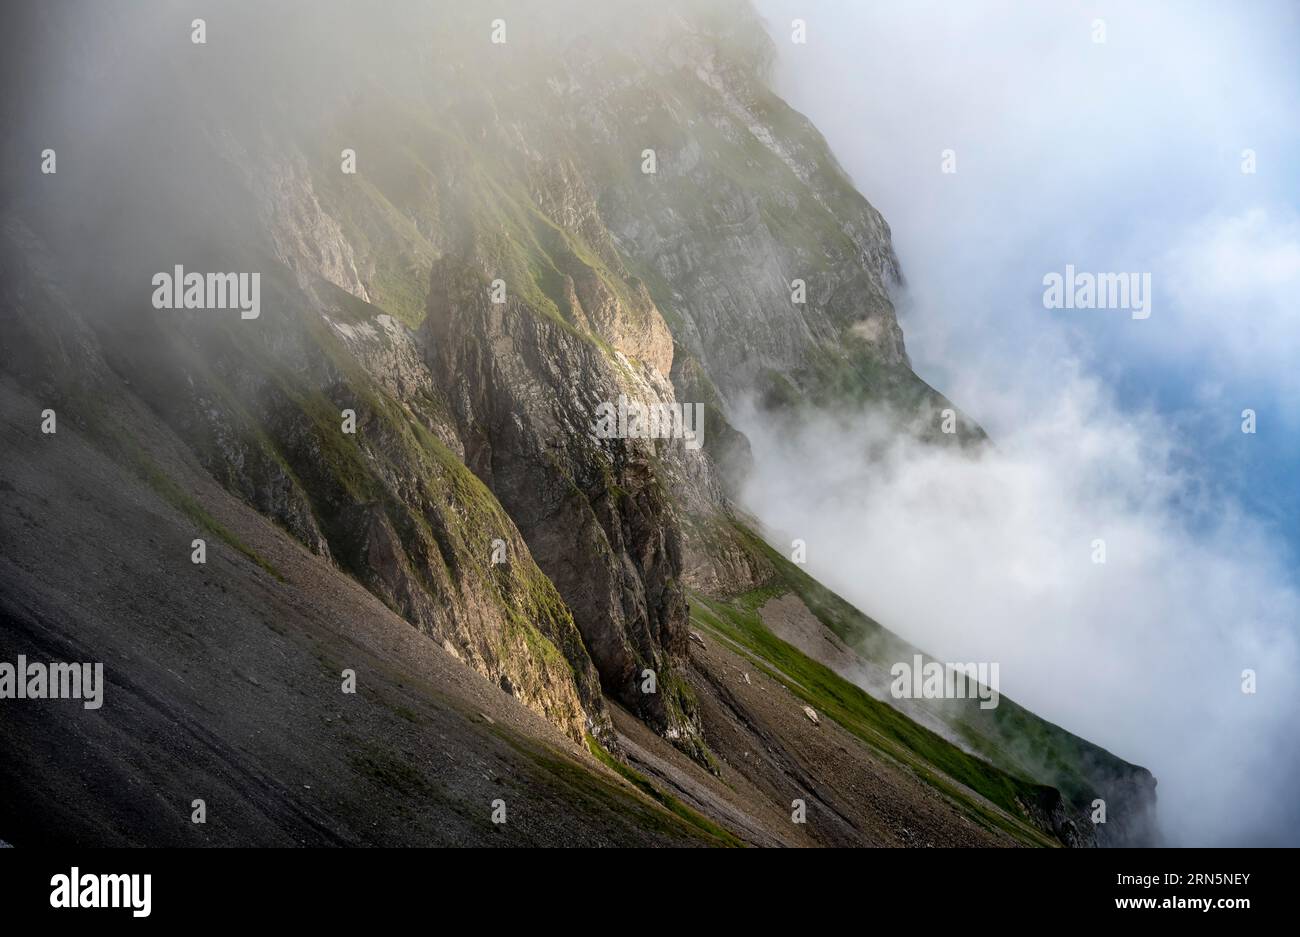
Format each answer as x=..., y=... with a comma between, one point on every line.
x=610, y=204
x=593, y=511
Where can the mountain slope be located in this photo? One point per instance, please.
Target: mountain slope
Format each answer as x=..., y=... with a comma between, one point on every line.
x=498, y=267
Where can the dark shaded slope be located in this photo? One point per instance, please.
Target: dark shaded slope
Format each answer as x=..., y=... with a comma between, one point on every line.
x=224, y=683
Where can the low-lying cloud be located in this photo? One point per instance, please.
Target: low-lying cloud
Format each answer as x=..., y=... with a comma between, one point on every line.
x=991, y=556
x=1119, y=156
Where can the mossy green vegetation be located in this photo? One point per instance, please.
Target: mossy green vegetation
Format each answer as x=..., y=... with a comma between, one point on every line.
x=1010, y=741
x=878, y=725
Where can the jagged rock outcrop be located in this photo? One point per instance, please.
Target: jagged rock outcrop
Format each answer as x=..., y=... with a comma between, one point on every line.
x=393, y=505
x=593, y=511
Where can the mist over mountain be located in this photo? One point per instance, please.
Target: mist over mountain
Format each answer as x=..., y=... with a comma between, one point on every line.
x=438, y=426
x=1138, y=152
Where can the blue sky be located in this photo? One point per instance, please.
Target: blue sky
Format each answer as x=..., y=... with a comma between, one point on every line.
x=1117, y=156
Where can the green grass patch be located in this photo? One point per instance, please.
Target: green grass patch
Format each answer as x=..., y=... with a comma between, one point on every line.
x=1010, y=737
x=879, y=725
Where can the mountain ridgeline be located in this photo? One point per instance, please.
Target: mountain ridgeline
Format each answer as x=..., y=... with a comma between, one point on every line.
x=470, y=232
